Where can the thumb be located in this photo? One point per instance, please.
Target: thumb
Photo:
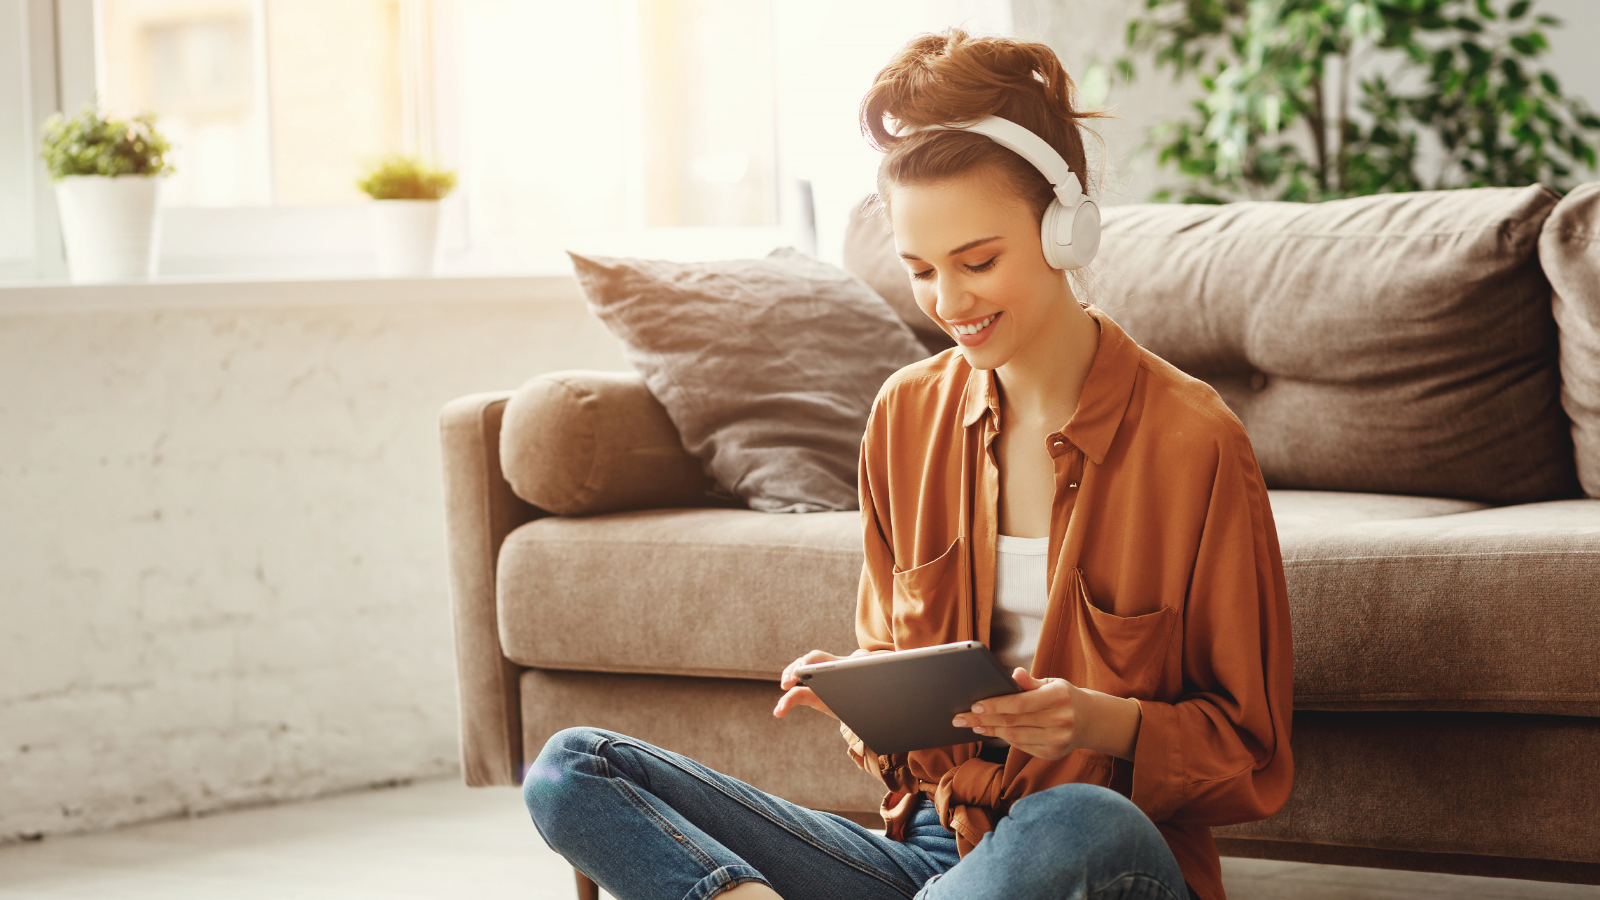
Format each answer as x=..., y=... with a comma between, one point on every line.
x=1024, y=680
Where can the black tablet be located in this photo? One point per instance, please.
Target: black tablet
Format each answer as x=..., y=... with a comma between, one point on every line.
x=905, y=700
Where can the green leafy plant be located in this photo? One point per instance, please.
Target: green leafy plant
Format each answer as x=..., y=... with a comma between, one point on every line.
x=398, y=177
x=1270, y=68
x=90, y=144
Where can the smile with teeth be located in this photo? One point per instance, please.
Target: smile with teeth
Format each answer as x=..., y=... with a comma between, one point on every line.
x=975, y=327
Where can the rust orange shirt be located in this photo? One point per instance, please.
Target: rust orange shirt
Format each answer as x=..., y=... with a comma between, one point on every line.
x=1165, y=585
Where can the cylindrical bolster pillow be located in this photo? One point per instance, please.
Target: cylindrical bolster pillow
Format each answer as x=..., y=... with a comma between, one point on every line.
x=578, y=442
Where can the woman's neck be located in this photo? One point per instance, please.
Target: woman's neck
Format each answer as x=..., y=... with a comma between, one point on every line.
x=1040, y=384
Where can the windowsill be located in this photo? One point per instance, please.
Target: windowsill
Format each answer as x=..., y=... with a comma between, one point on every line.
x=232, y=291
x=298, y=277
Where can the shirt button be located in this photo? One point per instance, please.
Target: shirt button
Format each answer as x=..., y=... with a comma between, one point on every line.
x=1073, y=485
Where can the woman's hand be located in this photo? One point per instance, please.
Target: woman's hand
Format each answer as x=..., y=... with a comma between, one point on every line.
x=1052, y=717
x=804, y=696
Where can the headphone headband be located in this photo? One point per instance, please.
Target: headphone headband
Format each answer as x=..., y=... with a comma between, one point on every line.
x=1027, y=145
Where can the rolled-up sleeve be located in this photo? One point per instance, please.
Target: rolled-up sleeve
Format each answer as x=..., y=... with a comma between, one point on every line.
x=1220, y=755
x=875, y=594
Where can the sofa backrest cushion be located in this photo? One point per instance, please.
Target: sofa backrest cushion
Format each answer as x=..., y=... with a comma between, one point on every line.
x=1569, y=249
x=1398, y=343
x=767, y=367
x=580, y=442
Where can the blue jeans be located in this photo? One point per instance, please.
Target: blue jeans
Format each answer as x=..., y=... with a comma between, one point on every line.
x=647, y=823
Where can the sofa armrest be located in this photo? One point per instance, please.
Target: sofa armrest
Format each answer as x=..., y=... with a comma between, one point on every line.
x=480, y=510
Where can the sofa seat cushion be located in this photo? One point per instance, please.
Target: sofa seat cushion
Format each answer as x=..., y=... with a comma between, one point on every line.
x=1410, y=603
x=1485, y=609
x=722, y=592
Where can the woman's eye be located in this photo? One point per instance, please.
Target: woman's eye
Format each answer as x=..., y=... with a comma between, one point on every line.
x=980, y=267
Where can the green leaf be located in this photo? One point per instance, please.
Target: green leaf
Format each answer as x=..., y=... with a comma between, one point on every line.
x=1474, y=95
x=398, y=177
x=90, y=144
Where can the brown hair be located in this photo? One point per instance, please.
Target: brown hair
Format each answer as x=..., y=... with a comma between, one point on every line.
x=940, y=79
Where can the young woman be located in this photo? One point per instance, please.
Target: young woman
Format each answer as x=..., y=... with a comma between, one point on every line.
x=1047, y=487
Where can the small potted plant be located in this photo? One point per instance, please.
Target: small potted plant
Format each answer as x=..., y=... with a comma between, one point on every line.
x=108, y=176
x=405, y=216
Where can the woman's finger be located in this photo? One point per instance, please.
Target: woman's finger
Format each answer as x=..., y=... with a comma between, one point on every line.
x=1048, y=693
x=791, y=699
x=1045, y=743
x=789, y=679
x=800, y=696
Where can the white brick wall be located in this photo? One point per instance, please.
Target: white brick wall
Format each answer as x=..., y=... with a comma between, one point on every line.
x=222, y=565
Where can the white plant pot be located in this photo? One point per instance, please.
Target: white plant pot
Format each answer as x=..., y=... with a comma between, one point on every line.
x=112, y=226
x=406, y=235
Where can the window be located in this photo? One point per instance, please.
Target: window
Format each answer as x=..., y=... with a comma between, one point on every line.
x=275, y=102
x=599, y=124
x=674, y=128
x=708, y=84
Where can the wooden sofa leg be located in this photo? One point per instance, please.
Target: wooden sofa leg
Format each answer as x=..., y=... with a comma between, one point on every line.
x=587, y=889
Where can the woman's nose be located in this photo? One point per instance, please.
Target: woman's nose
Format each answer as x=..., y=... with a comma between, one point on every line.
x=951, y=300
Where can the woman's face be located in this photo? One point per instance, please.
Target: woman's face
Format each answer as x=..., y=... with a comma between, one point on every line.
x=972, y=249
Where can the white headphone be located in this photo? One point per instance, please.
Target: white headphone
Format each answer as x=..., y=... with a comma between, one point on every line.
x=1070, y=232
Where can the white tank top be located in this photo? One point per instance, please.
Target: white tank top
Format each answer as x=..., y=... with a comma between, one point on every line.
x=1020, y=597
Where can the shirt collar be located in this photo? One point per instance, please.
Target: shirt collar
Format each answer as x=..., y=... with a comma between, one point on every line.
x=1105, y=395
x=981, y=396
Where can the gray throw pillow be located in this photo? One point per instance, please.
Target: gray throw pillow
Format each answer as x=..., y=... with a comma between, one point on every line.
x=767, y=367
x=1569, y=250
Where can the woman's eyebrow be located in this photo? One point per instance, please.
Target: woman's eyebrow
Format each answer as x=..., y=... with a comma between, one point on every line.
x=961, y=249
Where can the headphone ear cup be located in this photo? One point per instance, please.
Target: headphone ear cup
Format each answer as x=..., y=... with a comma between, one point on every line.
x=1086, y=232
x=1070, y=238
x=1055, y=229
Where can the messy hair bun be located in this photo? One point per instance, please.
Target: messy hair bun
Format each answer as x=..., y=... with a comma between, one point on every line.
x=940, y=79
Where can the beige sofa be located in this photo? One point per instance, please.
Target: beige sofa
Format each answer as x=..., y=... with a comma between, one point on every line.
x=1442, y=560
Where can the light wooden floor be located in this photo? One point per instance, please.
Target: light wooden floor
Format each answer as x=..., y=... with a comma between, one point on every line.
x=441, y=840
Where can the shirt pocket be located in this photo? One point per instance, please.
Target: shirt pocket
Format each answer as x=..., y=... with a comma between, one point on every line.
x=928, y=599
x=1126, y=656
